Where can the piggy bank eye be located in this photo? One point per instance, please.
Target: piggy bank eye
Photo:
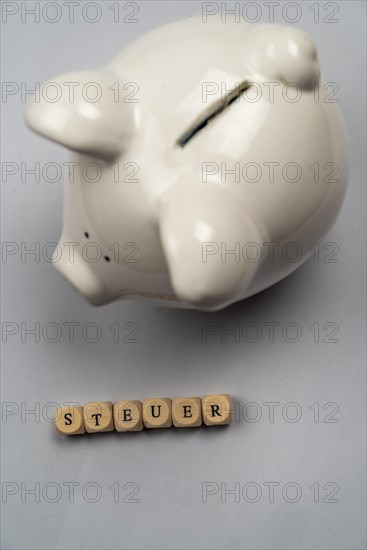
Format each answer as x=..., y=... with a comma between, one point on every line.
x=211, y=112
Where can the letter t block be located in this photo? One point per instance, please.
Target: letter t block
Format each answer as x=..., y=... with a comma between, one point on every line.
x=98, y=417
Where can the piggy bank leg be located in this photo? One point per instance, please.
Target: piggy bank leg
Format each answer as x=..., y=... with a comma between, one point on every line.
x=203, y=230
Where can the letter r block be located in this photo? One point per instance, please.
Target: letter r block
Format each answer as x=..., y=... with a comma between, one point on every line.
x=216, y=409
x=157, y=412
x=98, y=417
x=69, y=420
x=128, y=416
x=186, y=412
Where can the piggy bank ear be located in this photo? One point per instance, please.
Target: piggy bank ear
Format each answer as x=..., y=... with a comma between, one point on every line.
x=79, y=110
x=202, y=230
x=283, y=54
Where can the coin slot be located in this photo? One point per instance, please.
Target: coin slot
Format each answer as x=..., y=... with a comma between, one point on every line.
x=211, y=112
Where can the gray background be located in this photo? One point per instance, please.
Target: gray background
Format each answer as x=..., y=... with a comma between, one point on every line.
x=168, y=468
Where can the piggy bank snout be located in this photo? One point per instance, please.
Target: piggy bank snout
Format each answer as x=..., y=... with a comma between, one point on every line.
x=81, y=274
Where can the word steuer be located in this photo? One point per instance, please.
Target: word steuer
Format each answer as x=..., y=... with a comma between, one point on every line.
x=133, y=416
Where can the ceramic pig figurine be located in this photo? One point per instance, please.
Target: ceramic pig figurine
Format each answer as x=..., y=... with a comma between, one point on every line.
x=207, y=161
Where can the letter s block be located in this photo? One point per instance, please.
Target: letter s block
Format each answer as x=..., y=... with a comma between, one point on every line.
x=216, y=409
x=186, y=412
x=98, y=417
x=69, y=420
x=128, y=416
x=157, y=412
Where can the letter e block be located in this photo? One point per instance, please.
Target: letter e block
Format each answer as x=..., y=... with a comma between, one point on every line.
x=157, y=412
x=98, y=417
x=186, y=412
x=128, y=416
x=69, y=420
x=216, y=409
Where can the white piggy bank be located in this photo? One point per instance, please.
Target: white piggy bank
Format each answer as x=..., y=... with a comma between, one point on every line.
x=208, y=160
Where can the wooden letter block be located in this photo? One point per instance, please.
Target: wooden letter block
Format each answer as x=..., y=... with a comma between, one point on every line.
x=157, y=412
x=69, y=420
x=216, y=409
x=98, y=417
x=186, y=412
x=128, y=416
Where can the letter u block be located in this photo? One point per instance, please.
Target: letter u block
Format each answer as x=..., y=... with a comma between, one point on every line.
x=157, y=412
x=216, y=409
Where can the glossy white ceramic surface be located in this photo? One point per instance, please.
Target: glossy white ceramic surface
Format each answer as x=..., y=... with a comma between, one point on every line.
x=188, y=213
